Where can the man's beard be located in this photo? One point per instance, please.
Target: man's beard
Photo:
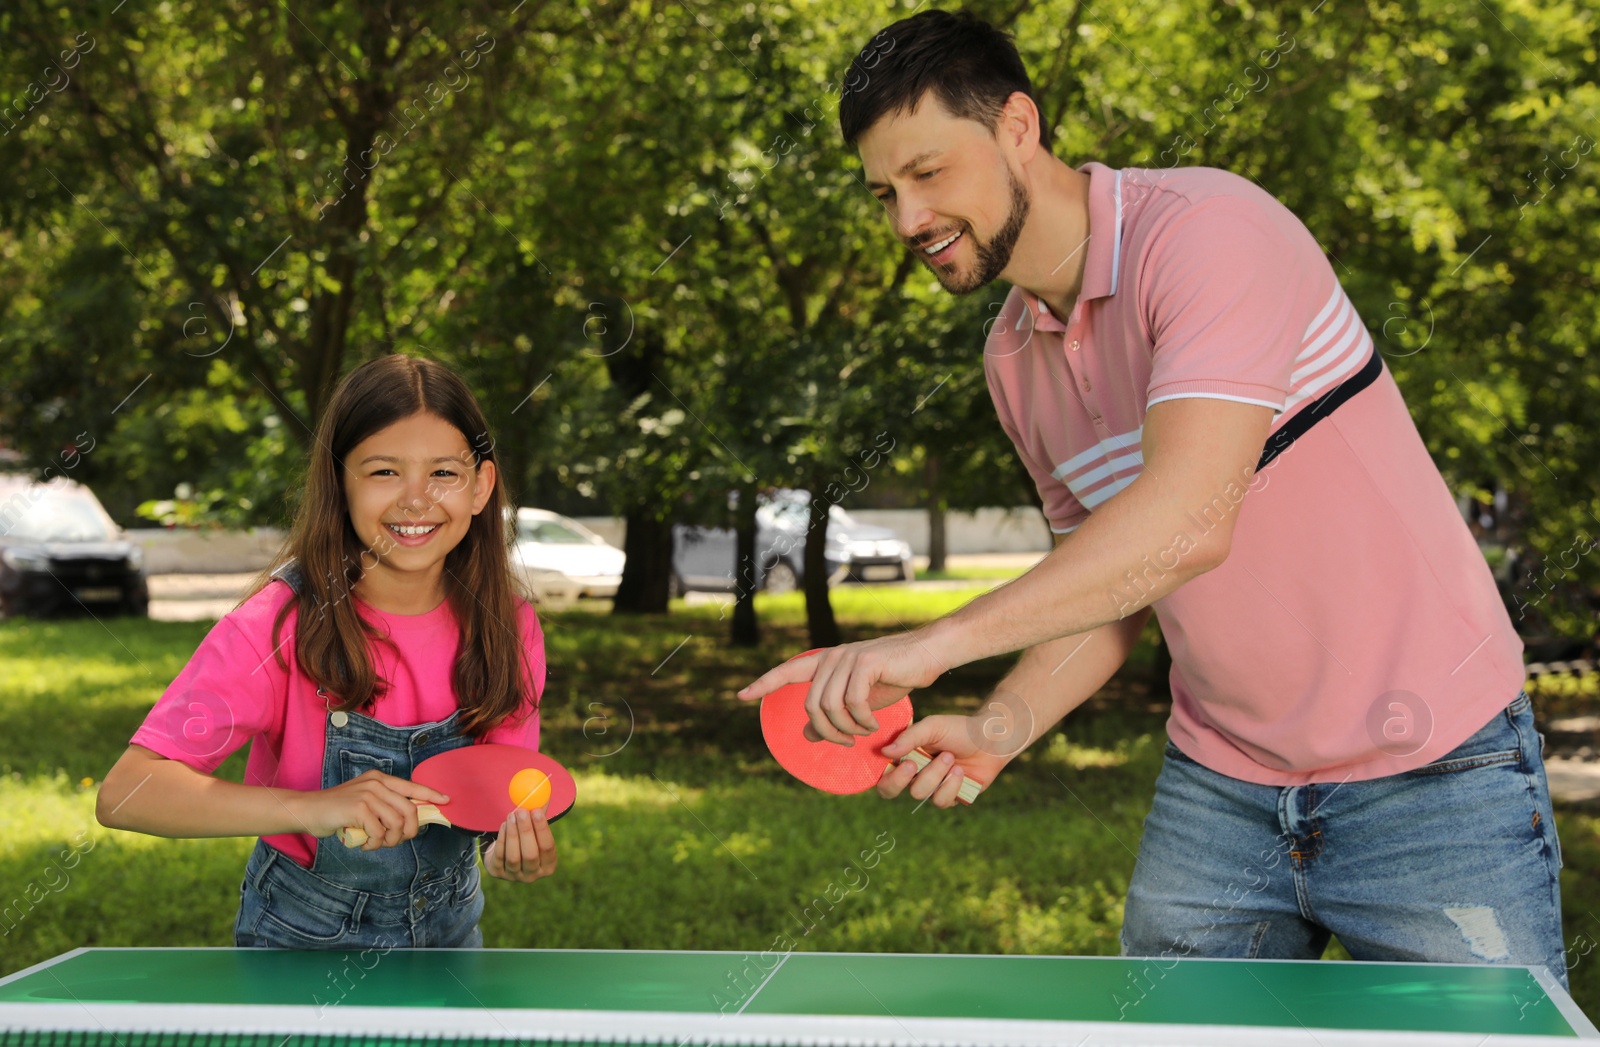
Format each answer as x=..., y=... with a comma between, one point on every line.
x=993, y=256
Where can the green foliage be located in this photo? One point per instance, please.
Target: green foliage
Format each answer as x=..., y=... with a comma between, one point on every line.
x=634, y=227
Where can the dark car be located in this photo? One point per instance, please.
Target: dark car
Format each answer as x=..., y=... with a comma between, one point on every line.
x=704, y=558
x=61, y=551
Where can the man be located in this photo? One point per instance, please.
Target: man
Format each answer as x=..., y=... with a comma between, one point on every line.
x=1216, y=439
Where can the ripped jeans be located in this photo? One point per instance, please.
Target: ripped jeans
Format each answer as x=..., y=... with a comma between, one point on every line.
x=1454, y=862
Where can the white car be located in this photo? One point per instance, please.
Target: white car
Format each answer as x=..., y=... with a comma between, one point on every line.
x=548, y=541
x=705, y=558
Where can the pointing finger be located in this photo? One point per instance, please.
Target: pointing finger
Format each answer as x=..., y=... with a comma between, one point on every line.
x=798, y=670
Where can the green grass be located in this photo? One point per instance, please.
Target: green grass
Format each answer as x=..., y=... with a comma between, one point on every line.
x=872, y=607
x=969, y=574
x=687, y=835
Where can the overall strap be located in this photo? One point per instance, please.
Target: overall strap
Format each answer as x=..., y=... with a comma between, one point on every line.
x=291, y=574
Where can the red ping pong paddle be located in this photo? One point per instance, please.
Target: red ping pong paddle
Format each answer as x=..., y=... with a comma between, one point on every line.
x=486, y=783
x=835, y=768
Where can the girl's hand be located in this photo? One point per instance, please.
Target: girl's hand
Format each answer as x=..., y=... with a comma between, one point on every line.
x=960, y=750
x=378, y=804
x=524, y=851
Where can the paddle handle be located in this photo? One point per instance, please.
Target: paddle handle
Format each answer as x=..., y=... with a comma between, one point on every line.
x=427, y=814
x=970, y=787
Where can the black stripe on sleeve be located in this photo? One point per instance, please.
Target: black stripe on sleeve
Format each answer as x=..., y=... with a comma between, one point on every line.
x=1319, y=409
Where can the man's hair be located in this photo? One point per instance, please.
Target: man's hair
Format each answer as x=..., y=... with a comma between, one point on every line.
x=970, y=66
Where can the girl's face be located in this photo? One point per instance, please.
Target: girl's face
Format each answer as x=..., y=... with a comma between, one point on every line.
x=412, y=492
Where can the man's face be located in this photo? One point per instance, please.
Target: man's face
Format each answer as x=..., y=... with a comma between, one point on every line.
x=951, y=197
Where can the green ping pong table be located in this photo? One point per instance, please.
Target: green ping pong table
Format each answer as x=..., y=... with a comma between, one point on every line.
x=268, y=998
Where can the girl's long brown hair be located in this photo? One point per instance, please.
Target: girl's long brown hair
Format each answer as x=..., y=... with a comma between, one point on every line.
x=331, y=639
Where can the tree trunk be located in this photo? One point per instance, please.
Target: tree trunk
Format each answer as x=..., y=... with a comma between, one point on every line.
x=648, y=571
x=745, y=631
x=819, y=612
x=936, y=512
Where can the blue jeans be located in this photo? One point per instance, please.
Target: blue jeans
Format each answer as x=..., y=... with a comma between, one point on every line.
x=1454, y=862
x=423, y=893
x=284, y=905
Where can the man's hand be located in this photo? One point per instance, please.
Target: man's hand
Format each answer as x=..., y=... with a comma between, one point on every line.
x=961, y=749
x=850, y=681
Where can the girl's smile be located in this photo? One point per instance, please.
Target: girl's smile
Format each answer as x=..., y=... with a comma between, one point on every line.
x=413, y=534
x=412, y=489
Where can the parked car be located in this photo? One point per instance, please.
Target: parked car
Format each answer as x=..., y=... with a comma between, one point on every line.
x=548, y=588
x=61, y=551
x=548, y=541
x=704, y=558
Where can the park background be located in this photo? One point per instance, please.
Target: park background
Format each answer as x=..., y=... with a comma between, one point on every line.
x=633, y=228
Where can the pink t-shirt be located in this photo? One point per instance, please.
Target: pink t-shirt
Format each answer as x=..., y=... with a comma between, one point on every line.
x=234, y=691
x=1354, y=630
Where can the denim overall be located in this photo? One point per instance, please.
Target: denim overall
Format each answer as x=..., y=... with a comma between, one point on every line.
x=423, y=893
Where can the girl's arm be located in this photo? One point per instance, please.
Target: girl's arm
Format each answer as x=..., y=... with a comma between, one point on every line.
x=146, y=792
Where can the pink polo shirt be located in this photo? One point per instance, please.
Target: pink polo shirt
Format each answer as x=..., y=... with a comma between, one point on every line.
x=234, y=691
x=1354, y=630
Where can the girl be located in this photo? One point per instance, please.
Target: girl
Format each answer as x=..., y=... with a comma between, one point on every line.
x=387, y=631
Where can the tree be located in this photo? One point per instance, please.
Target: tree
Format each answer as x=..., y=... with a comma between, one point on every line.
x=275, y=185
x=634, y=227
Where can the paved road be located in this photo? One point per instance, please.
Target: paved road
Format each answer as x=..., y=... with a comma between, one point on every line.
x=196, y=597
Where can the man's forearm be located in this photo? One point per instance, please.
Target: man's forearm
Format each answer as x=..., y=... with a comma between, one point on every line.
x=1052, y=679
x=1172, y=523
x=1131, y=552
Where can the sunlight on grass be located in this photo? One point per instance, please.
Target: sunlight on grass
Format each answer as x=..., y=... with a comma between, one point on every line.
x=1087, y=913
x=1565, y=685
x=597, y=788
x=891, y=606
x=41, y=676
x=41, y=809
x=971, y=574
x=1081, y=757
x=887, y=606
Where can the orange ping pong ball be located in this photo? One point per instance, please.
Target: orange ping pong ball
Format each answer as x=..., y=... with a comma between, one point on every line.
x=530, y=788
